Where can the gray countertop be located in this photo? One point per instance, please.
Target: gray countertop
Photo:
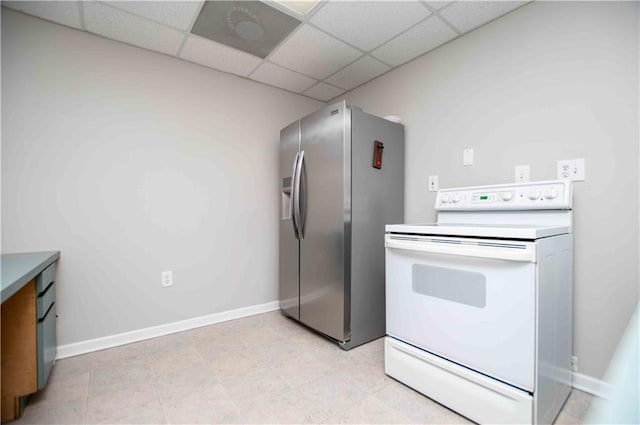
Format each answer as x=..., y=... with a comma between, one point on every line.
x=18, y=269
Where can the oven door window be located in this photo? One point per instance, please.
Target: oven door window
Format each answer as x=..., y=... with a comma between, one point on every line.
x=458, y=286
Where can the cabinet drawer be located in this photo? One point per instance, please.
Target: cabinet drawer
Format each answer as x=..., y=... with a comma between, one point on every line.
x=44, y=300
x=44, y=279
x=46, y=345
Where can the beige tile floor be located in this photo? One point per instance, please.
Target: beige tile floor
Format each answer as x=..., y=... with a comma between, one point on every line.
x=261, y=369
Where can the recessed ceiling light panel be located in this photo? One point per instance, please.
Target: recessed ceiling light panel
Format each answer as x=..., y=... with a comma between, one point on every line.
x=251, y=26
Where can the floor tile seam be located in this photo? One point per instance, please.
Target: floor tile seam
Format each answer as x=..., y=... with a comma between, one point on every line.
x=202, y=360
x=344, y=409
x=257, y=399
x=164, y=411
x=155, y=375
x=403, y=411
x=402, y=414
x=290, y=384
x=119, y=363
x=86, y=402
x=241, y=411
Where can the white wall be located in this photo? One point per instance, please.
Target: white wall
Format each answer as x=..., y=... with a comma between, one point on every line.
x=552, y=80
x=130, y=162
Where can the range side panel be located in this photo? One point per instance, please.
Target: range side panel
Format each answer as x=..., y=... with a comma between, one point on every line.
x=322, y=249
x=289, y=247
x=554, y=330
x=377, y=199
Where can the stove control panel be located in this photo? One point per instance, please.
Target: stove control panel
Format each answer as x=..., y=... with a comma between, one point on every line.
x=545, y=195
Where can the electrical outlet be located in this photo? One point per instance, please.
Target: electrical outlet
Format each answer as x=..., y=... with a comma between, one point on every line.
x=433, y=183
x=522, y=173
x=574, y=363
x=167, y=279
x=571, y=169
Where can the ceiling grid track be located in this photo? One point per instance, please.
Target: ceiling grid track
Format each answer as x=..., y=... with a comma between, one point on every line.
x=436, y=12
x=342, y=45
x=83, y=25
x=186, y=36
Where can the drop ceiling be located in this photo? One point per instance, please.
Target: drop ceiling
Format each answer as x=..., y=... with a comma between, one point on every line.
x=336, y=47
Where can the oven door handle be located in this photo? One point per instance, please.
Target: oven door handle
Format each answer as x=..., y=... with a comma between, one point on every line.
x=522, y=252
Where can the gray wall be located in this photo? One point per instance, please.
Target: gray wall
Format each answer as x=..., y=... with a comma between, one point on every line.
x=552, y=80
x=130, y=162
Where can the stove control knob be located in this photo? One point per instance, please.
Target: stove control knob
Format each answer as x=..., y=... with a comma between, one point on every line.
x=456, y=198
x=507, y=196
x=445, y=198
x=534, y=194
x=551, y=193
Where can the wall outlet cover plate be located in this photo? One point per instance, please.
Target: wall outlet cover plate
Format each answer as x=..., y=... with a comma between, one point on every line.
x=571, y=169
x=167, y=279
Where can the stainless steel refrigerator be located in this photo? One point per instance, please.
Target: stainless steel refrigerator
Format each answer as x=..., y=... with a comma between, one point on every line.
x=342, y=180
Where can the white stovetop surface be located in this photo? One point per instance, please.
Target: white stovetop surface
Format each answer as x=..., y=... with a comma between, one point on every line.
x=515, y=231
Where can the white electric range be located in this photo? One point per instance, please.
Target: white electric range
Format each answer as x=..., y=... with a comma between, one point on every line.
x=479, y=304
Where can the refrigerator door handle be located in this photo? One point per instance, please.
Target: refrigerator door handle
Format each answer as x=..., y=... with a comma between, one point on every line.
x=302, y=199
x=297, y=210
x=294, y=196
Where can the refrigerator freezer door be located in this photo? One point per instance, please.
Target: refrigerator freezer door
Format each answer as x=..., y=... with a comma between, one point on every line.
x=289, y=263
x=324, y=267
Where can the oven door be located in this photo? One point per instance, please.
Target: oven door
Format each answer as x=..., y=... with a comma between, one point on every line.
x=468, y=300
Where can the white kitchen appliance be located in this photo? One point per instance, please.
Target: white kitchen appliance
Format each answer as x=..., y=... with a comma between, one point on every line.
x=479, y=304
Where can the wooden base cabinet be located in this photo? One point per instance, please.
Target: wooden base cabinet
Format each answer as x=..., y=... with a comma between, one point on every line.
x=19, y=350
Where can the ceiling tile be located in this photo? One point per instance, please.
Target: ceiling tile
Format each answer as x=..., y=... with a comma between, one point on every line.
x=420, y=39
x=280, y=77
x=368, y=25
x=314, y=53
x=62, y=12
x=215, y=55
x=323, y=92
x=467, y=15
x=177, y=14
x=122, y=26
x=359, y=72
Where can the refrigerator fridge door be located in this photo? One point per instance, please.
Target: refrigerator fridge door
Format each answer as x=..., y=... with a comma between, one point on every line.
x=325, y=214
x=289, y=263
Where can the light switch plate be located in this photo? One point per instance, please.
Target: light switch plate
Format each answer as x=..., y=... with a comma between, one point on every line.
x=467, y=157
x=522, y=173
x=433, y=183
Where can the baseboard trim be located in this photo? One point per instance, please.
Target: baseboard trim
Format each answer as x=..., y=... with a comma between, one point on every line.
x=590, y=385
x=84, y=347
